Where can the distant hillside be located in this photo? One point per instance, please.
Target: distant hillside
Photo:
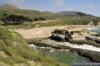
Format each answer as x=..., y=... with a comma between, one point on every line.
x=7, y=6
x=72, y=13
x=10, y=9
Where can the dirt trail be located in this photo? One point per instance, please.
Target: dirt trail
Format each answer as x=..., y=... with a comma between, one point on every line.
x=43, y=32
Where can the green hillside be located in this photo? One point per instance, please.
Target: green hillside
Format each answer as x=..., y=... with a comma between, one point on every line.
x=60, y=18
x=73, y=13
x=10, y=9
x=14, y=51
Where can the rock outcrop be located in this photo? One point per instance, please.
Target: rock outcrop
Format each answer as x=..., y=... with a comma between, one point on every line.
x=71, y=35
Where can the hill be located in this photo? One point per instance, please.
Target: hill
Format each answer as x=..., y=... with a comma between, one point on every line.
x=73, y=13
x=14, y=51
x=10, y=9
x=63, y=18
x=8, y=6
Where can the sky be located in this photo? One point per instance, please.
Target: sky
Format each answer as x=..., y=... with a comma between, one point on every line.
x=86, y=6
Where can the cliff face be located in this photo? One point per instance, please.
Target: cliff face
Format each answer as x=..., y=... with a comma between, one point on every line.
x=14, y=51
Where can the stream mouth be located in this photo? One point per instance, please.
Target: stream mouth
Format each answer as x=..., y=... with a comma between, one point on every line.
x=69, y=53
x=62, y=55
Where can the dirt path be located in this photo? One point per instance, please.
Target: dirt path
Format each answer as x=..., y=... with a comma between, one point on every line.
x=44, y=32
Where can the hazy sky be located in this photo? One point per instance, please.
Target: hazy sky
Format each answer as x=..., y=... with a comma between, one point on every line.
x=87, y=6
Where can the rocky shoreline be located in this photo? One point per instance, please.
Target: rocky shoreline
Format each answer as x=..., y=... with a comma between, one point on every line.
x=91, y=52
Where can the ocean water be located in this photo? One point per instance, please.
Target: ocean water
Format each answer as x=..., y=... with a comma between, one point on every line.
x=94, y=29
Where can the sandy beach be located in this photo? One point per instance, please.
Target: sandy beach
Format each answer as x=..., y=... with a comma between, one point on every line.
x=44, y=32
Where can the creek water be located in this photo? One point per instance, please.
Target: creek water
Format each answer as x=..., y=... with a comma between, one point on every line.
x=62, y=55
